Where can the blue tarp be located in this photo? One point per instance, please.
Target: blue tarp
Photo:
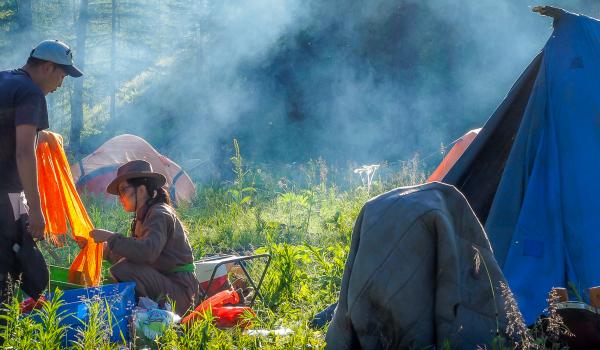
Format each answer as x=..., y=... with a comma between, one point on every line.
x=544, y=222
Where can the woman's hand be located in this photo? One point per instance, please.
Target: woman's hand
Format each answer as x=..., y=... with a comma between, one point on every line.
x=81, y=242
x=100, y=235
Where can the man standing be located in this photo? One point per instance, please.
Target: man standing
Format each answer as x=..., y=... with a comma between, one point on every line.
x=23, y=113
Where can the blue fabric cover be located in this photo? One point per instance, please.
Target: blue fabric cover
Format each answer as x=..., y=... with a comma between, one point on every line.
x=545, y=218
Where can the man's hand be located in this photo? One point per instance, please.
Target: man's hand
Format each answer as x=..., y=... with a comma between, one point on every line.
x=36, y=223
x=100, y=235
x=44, y=136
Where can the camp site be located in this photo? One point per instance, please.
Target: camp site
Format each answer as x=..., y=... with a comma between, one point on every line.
x=285, y=174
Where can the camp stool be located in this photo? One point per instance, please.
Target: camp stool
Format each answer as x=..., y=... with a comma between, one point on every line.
x=212, y=271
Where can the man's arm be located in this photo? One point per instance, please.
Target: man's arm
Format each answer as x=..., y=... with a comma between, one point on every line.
x=27, y=167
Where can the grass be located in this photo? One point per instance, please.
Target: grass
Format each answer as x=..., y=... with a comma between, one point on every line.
x=303, y=219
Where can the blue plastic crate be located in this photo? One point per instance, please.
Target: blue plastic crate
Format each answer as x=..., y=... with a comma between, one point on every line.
x=119, y=297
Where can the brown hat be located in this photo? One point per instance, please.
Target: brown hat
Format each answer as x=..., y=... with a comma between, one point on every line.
x=132, y=170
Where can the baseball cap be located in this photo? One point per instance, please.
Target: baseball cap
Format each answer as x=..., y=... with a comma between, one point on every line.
x=57, y=52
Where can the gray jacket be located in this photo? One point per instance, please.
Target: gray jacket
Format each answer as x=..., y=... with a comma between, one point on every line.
x=417, y=275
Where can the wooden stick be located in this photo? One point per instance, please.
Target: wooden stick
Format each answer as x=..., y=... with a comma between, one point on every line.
x=595, y=296
x=563, y=295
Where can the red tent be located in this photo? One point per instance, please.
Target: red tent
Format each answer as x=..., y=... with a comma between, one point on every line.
x=455, y=152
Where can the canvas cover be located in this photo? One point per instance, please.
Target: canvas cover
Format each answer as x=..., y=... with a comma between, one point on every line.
x=420, y=272
x=531, y=174
x=94, y=172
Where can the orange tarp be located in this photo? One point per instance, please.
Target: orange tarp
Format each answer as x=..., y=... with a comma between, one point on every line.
x=455, y=152
x=60, y=202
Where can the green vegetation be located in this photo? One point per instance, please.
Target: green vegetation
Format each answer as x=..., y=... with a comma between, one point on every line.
x=305, y=225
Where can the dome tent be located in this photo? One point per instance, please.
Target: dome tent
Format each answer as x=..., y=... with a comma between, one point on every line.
x=93, y=173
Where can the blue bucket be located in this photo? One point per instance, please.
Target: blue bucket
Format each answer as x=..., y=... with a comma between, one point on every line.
x=118, y=298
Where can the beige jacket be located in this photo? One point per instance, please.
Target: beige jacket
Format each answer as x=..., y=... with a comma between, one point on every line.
x=159, y=241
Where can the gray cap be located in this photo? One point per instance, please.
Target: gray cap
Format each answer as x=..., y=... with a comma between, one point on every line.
x=57, y=52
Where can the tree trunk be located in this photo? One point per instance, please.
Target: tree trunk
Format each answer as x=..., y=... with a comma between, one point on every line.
x=77, y=96
x=113, y=58
x=24, y=18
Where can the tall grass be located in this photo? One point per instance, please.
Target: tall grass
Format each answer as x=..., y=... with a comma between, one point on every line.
x=304, y=224
x=304, y=219
x=43, y=329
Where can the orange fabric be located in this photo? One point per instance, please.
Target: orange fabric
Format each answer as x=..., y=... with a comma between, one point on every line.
x=452, y=157
x=60, y=202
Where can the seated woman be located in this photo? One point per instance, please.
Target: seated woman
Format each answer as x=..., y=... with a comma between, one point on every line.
x=158, y=256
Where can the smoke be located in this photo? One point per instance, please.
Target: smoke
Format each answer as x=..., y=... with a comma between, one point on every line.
x=295, y=80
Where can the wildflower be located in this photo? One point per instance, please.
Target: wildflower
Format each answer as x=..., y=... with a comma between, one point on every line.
x=516, y=329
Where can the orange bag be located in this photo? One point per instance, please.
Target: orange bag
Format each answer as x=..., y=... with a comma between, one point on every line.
x=231, y=316
x=60, y=202
x=219, y=299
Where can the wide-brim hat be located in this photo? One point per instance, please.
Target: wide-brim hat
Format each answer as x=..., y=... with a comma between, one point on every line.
x=133, y=170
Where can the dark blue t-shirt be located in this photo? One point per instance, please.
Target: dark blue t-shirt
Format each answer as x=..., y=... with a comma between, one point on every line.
x=22, y=102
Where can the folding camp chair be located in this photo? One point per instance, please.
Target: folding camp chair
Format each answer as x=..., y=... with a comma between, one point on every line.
x=216, y=266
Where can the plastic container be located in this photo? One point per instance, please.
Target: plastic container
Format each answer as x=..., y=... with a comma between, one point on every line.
x=120, y=299
x=59, y=278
